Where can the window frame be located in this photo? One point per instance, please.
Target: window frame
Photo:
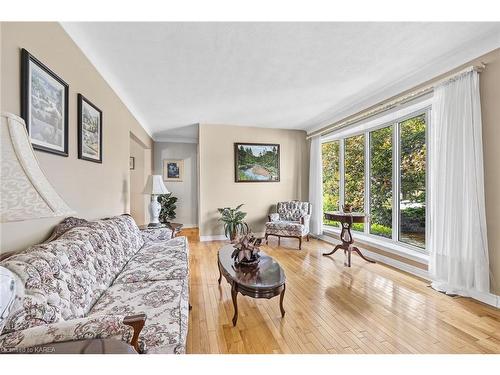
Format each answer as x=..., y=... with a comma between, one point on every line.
x=425, y=110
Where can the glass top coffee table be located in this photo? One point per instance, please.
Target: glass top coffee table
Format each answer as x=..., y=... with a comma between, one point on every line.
x=264, y=280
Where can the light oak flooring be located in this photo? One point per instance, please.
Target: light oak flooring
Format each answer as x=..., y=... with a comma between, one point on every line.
x=368, y=308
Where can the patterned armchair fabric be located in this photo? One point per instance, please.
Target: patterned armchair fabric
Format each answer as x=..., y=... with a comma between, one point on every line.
x=291, y=220
x=77, y=273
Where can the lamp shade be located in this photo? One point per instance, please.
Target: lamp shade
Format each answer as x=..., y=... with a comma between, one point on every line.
x=25, y=191
x=155, y=185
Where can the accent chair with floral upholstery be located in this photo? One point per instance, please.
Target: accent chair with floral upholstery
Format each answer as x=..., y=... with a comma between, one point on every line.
x=291, y=220
x=100, y=279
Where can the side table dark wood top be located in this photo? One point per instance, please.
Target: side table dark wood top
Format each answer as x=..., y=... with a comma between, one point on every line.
x=264, y=280
x=175, y=228
x=346, y=220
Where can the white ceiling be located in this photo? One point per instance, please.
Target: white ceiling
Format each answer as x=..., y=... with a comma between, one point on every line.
x=276, y=75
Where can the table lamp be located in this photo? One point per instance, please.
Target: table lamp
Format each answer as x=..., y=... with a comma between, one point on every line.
x=155, y=186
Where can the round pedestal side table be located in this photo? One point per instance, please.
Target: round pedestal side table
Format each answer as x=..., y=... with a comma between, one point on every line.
x=346, y=219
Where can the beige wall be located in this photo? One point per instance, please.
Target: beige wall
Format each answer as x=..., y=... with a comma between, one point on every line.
x=93, y=190
x=490, y=104
x=138, y=177
x=217, y=186
x=186, y=190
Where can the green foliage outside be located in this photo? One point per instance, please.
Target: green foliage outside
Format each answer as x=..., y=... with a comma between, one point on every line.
x=354, y=175
x=381, y=182
x=413, y=177
x=168, y=207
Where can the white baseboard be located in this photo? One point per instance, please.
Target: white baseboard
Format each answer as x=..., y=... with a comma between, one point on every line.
x=221, y=237
x=217, y=237
x=189, y=226
x=487, y=298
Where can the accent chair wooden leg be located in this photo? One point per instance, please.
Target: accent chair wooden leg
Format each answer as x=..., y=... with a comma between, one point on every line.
x=300, y=243
x=307, y=238
x=282, y=296
x=267, y=241
x=279, y=240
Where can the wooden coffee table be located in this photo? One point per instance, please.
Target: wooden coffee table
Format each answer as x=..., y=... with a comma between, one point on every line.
x=264, y=280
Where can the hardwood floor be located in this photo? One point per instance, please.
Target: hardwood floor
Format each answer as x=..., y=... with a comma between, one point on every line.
x=368, y=308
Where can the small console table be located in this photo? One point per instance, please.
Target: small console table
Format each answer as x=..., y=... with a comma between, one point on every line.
x=346, y=219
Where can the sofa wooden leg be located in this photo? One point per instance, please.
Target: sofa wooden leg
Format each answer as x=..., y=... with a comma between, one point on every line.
x=265, y=238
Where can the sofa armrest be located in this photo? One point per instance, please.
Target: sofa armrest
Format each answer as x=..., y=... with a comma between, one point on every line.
x=156, y=234
x=273, y=217
x=92, y=327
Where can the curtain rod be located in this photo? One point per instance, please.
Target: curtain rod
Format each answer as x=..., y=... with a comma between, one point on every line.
x=401, y=99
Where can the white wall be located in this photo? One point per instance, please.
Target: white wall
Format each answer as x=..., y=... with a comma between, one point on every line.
x=187, y=190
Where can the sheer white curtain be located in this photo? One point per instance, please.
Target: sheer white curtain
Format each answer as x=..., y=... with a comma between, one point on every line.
x=458, y=245
x=315, y=186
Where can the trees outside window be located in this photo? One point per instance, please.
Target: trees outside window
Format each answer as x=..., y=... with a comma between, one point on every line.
x=331, y=178
x=354, y=175
x=396, y=188
x=381, y=182
x=412, y=186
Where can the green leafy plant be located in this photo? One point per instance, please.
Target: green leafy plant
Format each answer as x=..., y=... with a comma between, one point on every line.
x=168, y=207
x=233, y=221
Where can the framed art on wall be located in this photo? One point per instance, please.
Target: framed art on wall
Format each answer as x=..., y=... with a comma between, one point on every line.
x=44, y=106
x=173, y=170
x=256, y=162
x=89, y=131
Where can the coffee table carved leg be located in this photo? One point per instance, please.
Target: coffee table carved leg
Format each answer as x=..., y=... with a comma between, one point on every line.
x=361, y=255
x=220, y=273
x=334, y=250
x=234, y=295
x=282, y=296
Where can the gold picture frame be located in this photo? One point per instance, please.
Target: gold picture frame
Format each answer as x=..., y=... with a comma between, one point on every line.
x=173, y=170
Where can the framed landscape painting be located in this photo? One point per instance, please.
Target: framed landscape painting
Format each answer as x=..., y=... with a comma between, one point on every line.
x=44, y=106
x=256, y=162
x=89, y=131
x=173, y=170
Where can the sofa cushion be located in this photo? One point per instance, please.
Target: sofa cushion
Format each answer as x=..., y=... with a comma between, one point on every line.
x=165, y=304
x=285, y=228
x=165, y=260
x=292, y=210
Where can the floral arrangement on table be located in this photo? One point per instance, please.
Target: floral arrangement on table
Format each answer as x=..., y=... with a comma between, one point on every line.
x=246, y=250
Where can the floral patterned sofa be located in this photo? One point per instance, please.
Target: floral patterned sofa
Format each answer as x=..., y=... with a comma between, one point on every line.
x=291, y=220
x=92, y=279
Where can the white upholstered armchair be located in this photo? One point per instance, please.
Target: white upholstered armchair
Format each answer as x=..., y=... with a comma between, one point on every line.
x=291, y=220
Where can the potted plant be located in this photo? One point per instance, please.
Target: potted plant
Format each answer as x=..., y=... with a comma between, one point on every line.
x=168, y=207
x=233, y=221
x=246, y=250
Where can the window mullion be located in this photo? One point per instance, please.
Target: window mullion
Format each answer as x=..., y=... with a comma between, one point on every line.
x=342, y=176
x=396, y=169
x=367, y=183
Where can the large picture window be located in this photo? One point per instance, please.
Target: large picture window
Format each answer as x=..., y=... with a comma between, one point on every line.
x=381, y=172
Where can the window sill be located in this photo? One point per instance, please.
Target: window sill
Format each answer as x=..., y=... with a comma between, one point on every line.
x=385, y=245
